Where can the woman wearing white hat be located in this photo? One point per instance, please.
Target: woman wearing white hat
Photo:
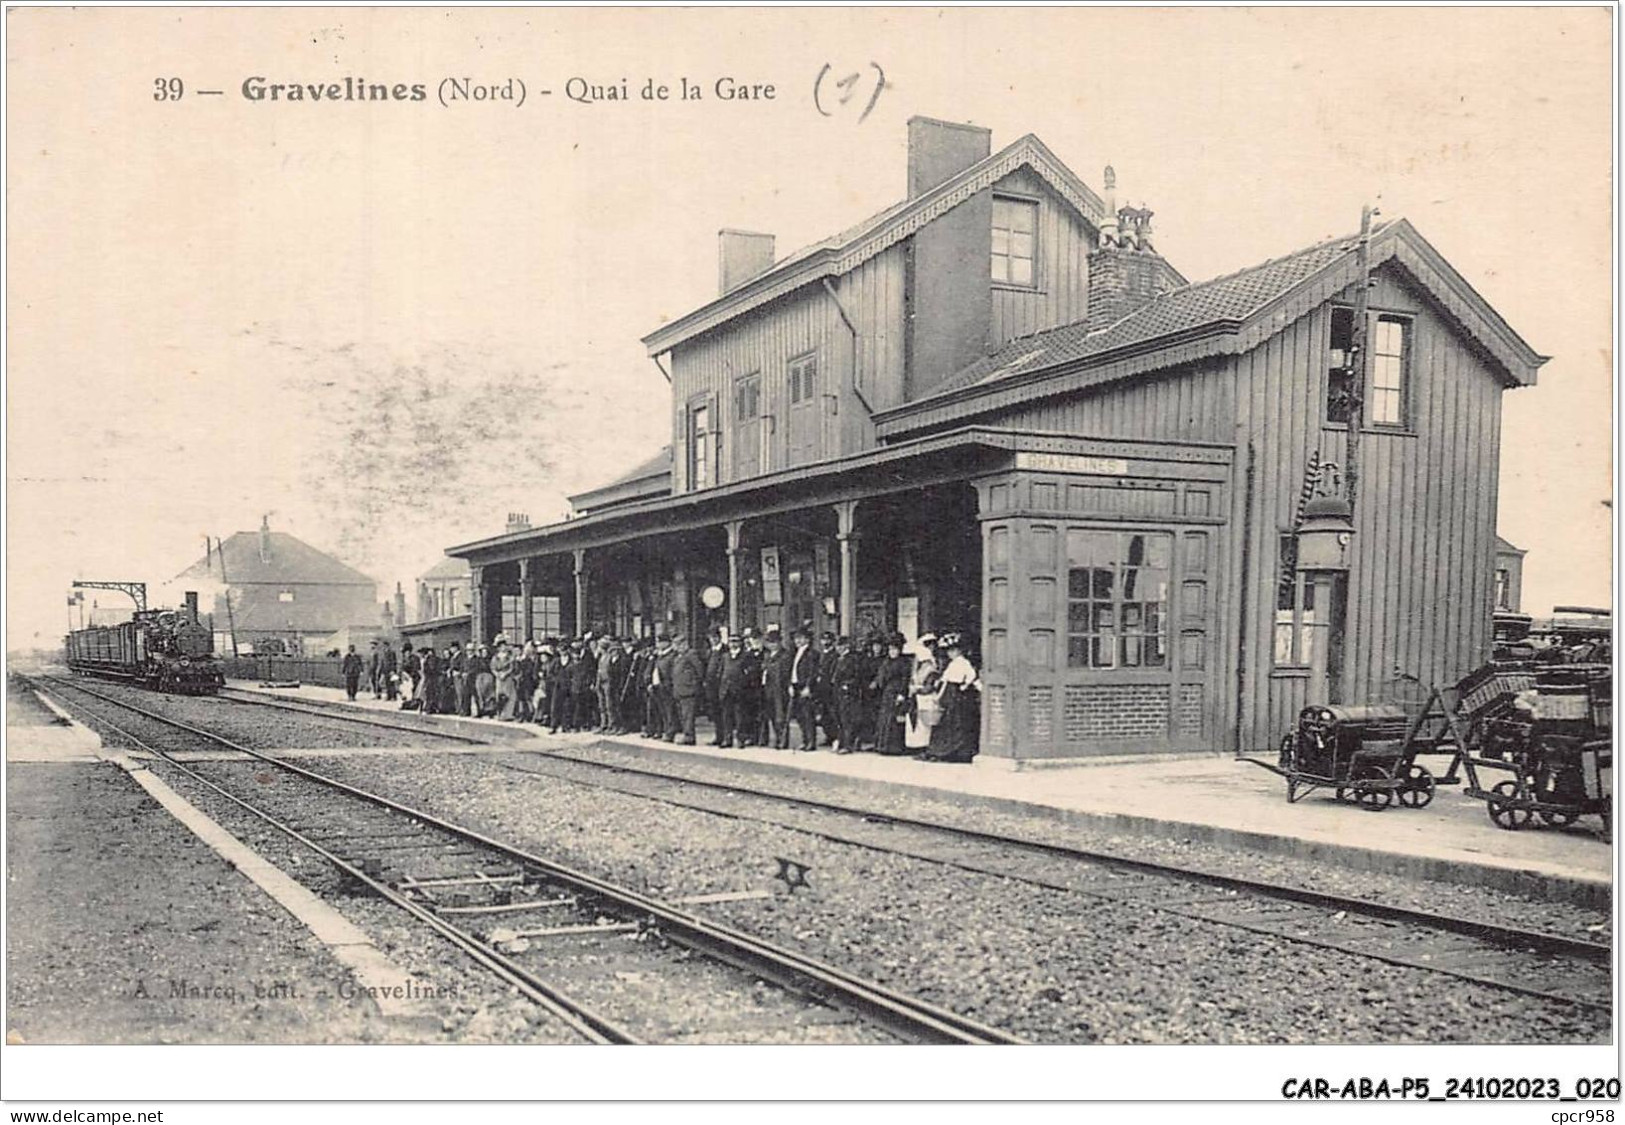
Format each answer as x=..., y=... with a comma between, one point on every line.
x=922, y=686
x=954, y=737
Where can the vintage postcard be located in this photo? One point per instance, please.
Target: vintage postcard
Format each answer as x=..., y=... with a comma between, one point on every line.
x=735, y=526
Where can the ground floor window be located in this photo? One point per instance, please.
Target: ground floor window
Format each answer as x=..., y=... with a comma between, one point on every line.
x=1117, y=598
x=546, y=612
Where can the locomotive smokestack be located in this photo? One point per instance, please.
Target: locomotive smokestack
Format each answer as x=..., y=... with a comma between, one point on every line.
x=191, y=606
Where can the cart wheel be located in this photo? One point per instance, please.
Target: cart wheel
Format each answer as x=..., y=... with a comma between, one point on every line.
x=1419, y=787
x=1372, y=800
x=1376, y=800
x=1504, y=815
x=1558, y=819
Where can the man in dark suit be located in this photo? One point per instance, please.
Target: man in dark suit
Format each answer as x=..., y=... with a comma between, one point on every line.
x=848, y=678
x=618, y=657
x=803, y=684
x=665, y=705
x=730, y=690
x=389, y=670
x=824, y=701
x=776, y=691
x=583, y=679
x=351, y=667
x=751, y=718
x=715, y=655
x=687, y=689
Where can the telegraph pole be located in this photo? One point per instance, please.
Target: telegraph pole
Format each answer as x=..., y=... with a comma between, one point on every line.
x=231, y=620
x=1355, y=383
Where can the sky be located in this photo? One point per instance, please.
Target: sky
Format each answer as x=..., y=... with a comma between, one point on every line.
x=223, y=309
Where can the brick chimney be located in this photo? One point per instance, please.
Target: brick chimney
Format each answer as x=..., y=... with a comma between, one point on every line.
x=940, y=150
x=741, y=255
x=265, y=539
x=1125, y=270
x=400, y=605
x=518, y=521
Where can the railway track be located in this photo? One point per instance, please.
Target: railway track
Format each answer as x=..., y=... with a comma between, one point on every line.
x=1534, y=963
x=1542, y=965
x=485, y=897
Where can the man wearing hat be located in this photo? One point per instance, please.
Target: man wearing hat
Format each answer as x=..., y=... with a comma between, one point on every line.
x=660, y=684
x=848, y=676
x=583, y=683
x=803, y=684
x=626, y=668
x=730, y=687
x=687, y=688
x=776, y=692
x=611, y=675
x=825, y=705
x=751, y=716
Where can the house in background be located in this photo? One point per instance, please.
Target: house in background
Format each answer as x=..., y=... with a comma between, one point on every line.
x=277, y=593
x=1508, y=577
x=443, y=593
x=996, y=407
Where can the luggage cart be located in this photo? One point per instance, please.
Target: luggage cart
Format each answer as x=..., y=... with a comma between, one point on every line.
x=1366, y=753
x=1557, y=752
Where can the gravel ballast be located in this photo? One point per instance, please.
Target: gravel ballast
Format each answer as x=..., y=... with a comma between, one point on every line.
x=1049, y=966
x=124, y=928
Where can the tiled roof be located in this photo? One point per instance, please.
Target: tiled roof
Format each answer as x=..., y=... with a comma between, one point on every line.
x=658, y=465
x=283, y=560
x=447, y=568
x=840, y=253
x=1231, y=298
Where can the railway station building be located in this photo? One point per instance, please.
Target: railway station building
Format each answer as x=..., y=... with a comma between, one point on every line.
x=996, y=407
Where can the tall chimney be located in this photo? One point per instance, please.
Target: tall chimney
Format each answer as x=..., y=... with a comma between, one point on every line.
x=400, y=605
x=940, y=150
x=518, y=521
x=741, y=255
x=265, y=539
x=1126, y=271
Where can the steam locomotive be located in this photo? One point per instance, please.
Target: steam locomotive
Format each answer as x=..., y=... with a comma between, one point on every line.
x=163, y=649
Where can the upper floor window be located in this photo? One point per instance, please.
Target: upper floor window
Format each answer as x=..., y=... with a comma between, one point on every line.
x=1385, y=400
x=747, y=398
x=1015, y=240
x=803, y=375
x=1337, y=359
x=700, y=443
x=750, y=428
x=1503, y=589
x=1388, y=362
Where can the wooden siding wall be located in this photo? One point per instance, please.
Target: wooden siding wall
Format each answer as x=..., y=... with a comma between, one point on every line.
x=873, y=297
x=1422, y=577
x=1064, y=243
x=1422, y=562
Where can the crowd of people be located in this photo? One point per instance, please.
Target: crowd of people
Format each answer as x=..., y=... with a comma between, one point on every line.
x=879, y=694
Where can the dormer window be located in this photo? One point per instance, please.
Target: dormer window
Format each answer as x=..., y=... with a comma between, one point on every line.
x=1015, y=240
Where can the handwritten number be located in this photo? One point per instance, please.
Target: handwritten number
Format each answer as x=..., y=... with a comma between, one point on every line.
x=847, y=86
x=167, y=89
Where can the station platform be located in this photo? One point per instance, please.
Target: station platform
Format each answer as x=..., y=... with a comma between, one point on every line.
x=1210, y=798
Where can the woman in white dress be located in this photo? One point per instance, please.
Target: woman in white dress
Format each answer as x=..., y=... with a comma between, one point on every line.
x=922, y=686
x=954, y=737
